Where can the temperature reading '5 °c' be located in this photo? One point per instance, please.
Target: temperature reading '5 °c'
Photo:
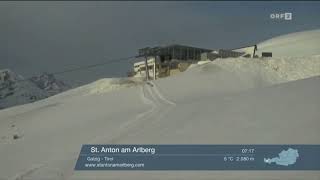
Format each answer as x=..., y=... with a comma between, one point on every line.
x=247, y=150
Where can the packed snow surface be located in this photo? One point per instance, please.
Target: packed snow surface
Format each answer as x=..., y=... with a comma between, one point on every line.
x=228, y=101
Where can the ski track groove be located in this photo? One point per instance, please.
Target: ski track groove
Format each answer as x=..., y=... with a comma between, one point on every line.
x=158, y=109
x=159, y=103
x=20, y=176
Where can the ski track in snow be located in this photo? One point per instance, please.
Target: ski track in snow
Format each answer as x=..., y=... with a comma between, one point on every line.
x=150, y=95
x=21, y=175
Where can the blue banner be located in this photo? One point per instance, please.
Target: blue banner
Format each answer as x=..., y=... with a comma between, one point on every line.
x=199, y=157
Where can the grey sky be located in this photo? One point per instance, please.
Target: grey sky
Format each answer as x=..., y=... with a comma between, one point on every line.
x=52, y=36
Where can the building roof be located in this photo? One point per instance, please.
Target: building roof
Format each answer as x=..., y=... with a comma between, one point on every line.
x=159, y=50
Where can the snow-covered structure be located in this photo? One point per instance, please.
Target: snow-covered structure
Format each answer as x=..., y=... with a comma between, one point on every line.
x=140, y=69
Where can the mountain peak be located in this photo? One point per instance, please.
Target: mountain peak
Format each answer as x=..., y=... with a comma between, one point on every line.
x=16, y=90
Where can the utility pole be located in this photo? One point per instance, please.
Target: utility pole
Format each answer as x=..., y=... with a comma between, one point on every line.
x=147, y=68
x=154, y=68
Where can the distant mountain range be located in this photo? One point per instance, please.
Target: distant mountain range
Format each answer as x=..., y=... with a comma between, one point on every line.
x=16, y=90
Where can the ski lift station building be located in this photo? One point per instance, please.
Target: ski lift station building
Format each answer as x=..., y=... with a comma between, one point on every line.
x=166, y=60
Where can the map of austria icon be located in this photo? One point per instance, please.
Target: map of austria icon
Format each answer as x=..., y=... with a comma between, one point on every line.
x=286, y=158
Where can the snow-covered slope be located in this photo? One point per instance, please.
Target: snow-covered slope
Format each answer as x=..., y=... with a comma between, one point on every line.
x=111, y=84
x=229, y=101
x=59, y=127
x=299, y=44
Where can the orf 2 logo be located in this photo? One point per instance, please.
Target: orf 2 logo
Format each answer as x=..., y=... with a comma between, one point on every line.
x=287, y=16
x=281, y=16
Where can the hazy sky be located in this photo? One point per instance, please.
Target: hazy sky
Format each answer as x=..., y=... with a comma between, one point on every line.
x=51, y=36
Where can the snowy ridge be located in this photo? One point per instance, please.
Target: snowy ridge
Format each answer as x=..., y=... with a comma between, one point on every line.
x=295, y=56
x=272, y=70
x=111, y=84
x=100, y=86
x=299, y=44
x=255, y=72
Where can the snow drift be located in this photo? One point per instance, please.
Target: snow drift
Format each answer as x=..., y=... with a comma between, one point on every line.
x=111, y=84
x=272, y=71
